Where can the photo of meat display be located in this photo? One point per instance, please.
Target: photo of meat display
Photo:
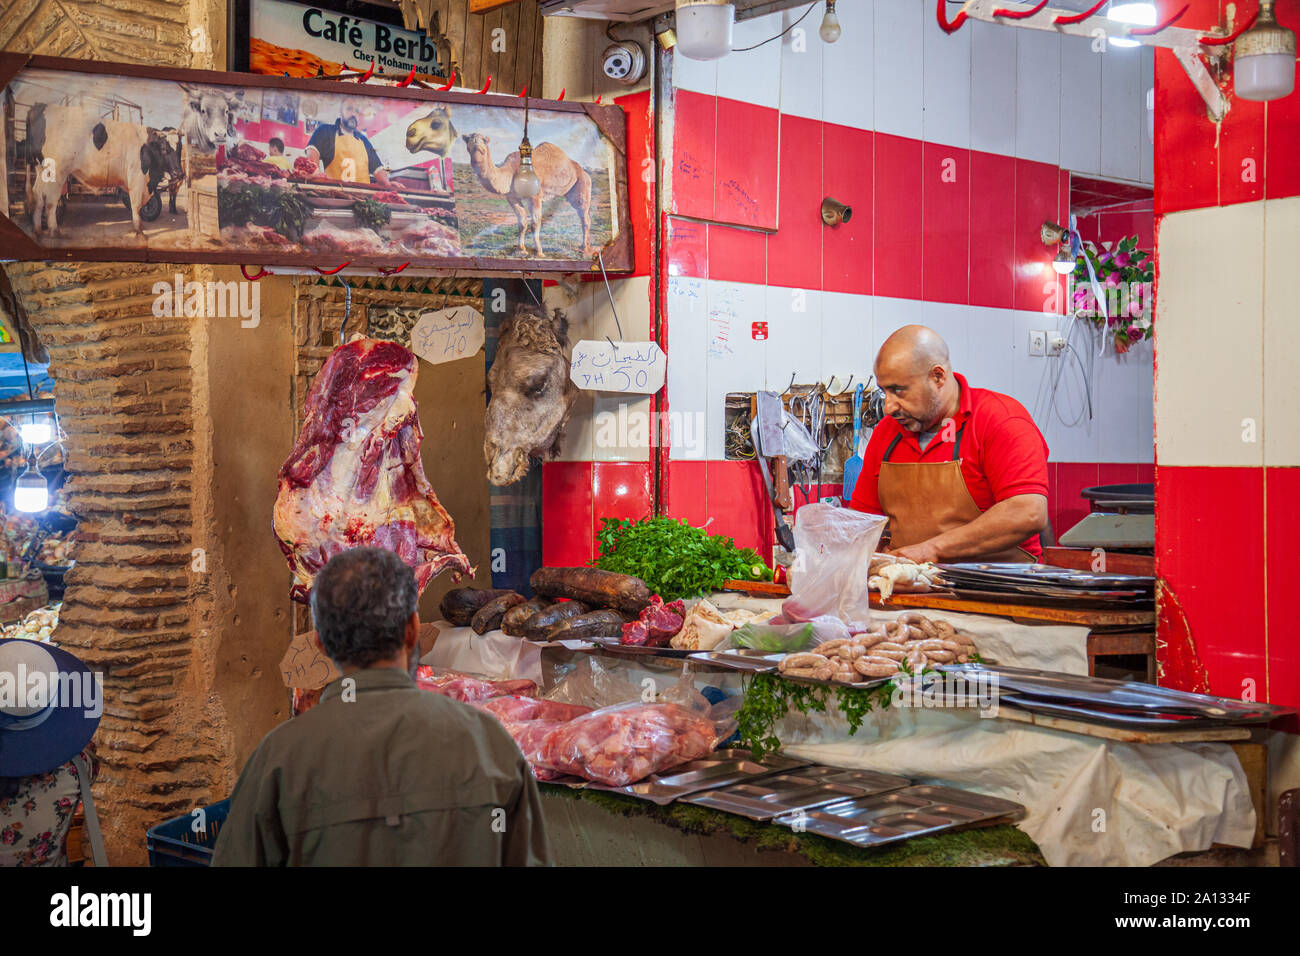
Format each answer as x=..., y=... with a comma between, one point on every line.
x=355, y=477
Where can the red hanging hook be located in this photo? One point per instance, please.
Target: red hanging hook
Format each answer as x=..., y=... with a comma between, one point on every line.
x=452, y=79
x=488, y=85
x=1224, y=41
x=261, y=272
x=598, y=99
x=1079, y=17
x=1019, y=14
x=393, y=272
x=409, y=77
x=330, y=272
x=524, y=91
x=946, y=25
x=1152, y=31
x=561, y=96
x=369, y=73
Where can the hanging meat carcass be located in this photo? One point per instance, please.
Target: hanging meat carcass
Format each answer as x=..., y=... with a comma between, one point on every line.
x=354, y=477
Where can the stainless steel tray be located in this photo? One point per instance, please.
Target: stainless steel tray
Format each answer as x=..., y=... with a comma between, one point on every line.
x=721, y=768
x=901, y=814
x=770, y=797
x=752, y=662
x=611, y=645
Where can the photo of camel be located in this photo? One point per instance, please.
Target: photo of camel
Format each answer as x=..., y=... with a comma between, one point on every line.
x=570, y=219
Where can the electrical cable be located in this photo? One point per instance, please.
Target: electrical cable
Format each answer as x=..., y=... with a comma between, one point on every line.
x=746, y=49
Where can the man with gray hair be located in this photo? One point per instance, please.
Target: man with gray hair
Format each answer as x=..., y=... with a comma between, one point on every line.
x=381, y=773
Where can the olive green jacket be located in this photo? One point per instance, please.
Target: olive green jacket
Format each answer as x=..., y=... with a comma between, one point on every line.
x=385, y=774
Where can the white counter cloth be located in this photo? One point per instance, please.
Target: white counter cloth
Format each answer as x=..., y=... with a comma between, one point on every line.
x=1089, y=801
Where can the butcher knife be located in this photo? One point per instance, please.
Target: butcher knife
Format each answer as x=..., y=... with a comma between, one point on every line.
x=771, y=444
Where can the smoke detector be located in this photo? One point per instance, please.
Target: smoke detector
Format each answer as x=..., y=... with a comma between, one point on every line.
x=624, y=61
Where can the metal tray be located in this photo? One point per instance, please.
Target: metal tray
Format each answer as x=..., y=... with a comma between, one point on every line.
x=902, y=814
x=1049, y=574
x=1115, y=695
x=612, y=646
x=722, y=768
x=752, y=662
x=805, y=789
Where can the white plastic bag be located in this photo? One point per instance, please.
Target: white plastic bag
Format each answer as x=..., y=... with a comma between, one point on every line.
x=833, y=561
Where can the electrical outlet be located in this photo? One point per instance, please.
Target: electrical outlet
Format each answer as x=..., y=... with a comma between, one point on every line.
x=1037, y=343
x=1055, y=344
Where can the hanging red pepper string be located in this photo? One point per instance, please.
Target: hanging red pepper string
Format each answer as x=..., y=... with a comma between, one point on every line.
x=330, y=272
x=261, y=272
x=488, y=85
x=1207, y=40
x=945, y=24
x=1018, y=14
x=1152, y=31
x=1064, y=20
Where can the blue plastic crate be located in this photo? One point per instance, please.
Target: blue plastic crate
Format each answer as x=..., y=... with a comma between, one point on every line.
x=174, y=843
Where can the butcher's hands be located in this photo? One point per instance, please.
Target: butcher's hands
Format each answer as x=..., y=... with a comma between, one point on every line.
x=921, y=552
x=381, y=176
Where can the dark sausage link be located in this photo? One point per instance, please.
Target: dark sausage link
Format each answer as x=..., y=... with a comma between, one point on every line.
x=593, y=586
x=535, y=627
x=488, y=617
x=515, y=619
x=459, y=605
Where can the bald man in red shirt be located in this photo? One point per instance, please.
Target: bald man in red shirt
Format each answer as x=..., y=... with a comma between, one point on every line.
x=961, y=472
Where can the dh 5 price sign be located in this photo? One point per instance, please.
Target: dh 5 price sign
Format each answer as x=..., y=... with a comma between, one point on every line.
x=636, y=367
x=448, y=334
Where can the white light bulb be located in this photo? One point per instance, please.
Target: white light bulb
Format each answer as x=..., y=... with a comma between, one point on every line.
x=704, y=29
x=35, y=433
x=526, y=184
x=1063, y=266
x=31, y=493
x=830, y=28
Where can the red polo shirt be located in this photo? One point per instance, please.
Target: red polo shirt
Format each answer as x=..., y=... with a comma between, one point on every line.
x=1003, y=453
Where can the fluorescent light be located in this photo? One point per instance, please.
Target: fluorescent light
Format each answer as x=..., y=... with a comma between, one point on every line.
x=35, y=433
x=1135, y=14
x=31, y=492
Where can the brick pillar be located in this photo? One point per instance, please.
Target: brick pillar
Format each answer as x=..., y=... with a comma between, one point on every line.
x=133, y=609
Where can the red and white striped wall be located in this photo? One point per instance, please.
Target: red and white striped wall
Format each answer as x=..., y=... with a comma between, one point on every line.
x=951, y=150
x=1227, y=393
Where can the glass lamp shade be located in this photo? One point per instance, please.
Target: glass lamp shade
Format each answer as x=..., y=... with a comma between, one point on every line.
x=31, y=492
x=704, y=29
x=526, y=184
x=1063, y=266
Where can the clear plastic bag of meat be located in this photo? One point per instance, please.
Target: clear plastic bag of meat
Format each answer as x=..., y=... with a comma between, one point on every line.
x=834, y=548
x=530, y=721
x=594, y=683
x=467, y=689
x=625, y=743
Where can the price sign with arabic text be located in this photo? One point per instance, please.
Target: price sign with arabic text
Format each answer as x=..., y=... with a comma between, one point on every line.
x=603, y=366
x=448, y=334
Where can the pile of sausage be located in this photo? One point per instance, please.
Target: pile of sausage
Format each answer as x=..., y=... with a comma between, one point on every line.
x=592, y=603
x=912, y=639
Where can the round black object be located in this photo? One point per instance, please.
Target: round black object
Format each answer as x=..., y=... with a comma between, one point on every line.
x=1135, y=498
x=150, y=210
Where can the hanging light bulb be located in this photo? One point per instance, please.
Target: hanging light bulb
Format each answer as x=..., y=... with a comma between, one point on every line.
x=31, y=491
x=1263, y=58
x=704, y=28
x=830, y=29
x=526, y=185
x=35, y=432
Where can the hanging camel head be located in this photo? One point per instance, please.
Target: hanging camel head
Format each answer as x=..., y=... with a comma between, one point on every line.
x=531, y=393
x=433, y=133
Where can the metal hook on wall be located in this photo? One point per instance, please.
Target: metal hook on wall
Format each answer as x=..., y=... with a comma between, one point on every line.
x=1064, y=19
x=261, y=272
x=946, y=25
x=347, y=309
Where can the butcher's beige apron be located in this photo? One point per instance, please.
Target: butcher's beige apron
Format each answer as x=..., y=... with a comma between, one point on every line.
x=923, y=499
x=349, y=148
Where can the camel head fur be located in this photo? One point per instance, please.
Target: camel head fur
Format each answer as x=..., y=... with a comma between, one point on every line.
x=531, y=393
x=433, y=133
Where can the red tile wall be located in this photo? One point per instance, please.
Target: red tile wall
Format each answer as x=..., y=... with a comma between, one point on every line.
x=1225, y=536
x=576, y=495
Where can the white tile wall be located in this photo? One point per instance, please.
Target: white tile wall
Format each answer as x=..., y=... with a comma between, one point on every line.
x=755, y=75
x=803, y=55
x=897, y=66
x=687, y=345
x=735, y=362
x=848, y=336
x=1281, y=332
x=699, y=76
x=795, y=333
x=889, y=315
x=946, y=85
x=1038, y=95
x=848, y=77
x=992, y=88
x=1211, y=300
x=1146, y=79
x=1081, y=105
x=1121, y=118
